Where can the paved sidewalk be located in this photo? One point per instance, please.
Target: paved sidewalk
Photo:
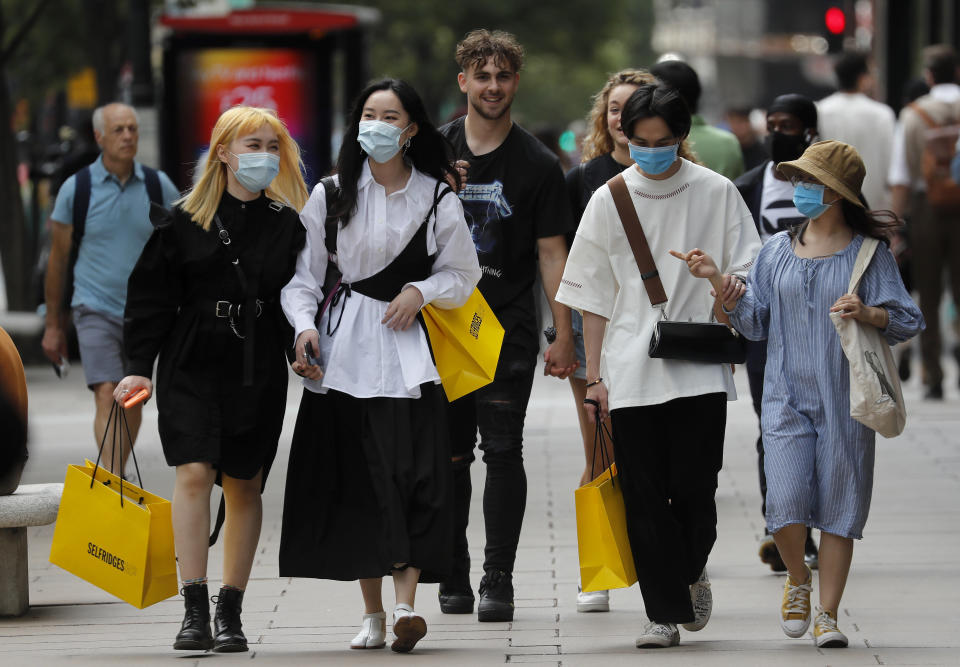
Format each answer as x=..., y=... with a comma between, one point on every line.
x=899, y=608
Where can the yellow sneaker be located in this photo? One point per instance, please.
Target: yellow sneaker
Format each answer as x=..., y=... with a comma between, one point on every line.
x=795, y=608
x=825, y=632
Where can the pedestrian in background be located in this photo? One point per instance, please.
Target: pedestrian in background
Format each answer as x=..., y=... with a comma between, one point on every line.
x=819, y=460
x=934, y=233
x=668, y=416
x=851, y=116
x=205, y=295
x=516, y=209
x=716, y=149
x=110, y=200
x=751, y=145
x=791, y=128
x=369, y=482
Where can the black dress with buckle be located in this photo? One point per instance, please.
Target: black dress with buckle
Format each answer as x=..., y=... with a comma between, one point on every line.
x=187, y=303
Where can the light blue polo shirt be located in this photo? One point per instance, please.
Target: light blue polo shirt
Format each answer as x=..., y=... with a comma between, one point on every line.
x=118, y=226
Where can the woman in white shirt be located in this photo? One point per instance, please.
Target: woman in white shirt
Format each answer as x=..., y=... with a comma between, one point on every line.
x=368, y=484
x=668, y=416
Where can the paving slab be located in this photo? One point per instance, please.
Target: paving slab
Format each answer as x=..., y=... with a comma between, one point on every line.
x=898, y=608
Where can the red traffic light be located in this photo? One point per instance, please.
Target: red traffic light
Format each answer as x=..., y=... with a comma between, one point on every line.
x=835, y=20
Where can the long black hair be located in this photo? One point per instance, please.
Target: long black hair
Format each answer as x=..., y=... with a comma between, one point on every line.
x=876, y=224
x=655, y=100
x=429, y=150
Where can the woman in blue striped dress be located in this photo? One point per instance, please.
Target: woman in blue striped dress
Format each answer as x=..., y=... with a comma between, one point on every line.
x=818, y=460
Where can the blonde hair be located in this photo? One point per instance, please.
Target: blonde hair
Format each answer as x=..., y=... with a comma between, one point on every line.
x=598, y=142
x=288, y=187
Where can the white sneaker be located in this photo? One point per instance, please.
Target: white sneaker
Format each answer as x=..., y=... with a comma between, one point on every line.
x=373, y=633
x=659, y=635
x=795, y=608
x=702, y=599
x=408, y=627
x=592, y=601
x=826, y=634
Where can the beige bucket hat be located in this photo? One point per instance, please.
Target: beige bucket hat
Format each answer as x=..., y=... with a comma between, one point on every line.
x=835, y=164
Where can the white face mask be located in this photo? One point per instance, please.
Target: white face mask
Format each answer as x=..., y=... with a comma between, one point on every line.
x=256, y=171
x=379, y=140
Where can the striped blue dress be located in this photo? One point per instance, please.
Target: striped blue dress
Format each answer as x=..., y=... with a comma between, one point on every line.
x=818, y=460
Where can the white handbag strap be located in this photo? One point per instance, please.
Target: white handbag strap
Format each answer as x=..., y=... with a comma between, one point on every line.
x=867, y=249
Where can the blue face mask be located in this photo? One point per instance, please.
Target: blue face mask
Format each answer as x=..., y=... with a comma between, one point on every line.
x=379, y=140
x=256, y=171
x=808, y=198
x=654, y=161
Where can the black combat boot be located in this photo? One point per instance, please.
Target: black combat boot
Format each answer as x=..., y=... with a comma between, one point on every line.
x=226, y=623
x=195, y=634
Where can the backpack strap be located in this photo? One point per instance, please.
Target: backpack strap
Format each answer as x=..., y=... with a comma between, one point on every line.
x=81, y=203
x=924, y=116
x=331, y=224
x=152, y=180
x=638, y=240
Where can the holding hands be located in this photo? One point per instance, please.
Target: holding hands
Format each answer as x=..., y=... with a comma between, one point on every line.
x=725, y=286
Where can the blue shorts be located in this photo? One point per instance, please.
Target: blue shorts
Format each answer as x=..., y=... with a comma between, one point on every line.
x=100, y=338
x=578, y=348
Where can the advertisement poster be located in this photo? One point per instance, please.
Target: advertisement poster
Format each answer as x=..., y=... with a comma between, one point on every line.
x=217, y=79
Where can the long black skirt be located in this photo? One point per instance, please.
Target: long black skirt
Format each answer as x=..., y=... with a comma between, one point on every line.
x=368, y=488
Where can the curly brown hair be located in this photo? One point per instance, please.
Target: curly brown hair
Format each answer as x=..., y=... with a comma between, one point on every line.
x=598, y=142
x=479, y=46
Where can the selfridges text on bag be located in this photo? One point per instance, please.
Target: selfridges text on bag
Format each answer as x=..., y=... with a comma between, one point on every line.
x=114, y=534
x=876, y=400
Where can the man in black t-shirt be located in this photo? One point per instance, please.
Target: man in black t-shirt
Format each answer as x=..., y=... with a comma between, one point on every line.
x=515, y=203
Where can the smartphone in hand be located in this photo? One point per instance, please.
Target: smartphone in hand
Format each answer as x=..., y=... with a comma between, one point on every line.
x=311, y=355
x=62, y=368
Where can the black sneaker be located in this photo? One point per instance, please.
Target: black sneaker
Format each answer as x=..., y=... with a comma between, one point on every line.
x=934, y=392
x=496, y=597
x=456, y=597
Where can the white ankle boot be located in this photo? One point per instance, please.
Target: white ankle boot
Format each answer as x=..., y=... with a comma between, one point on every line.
x=408, y=627
x=373, y=632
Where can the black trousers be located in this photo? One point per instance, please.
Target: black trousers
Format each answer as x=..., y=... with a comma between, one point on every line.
x=668, y=457
x=498, y=411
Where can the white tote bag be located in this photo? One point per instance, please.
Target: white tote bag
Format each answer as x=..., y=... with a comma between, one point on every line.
x=875, y=397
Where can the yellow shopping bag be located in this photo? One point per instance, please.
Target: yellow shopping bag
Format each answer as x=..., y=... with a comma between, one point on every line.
x=606, y=560
x=466, y=344
x=121, y=543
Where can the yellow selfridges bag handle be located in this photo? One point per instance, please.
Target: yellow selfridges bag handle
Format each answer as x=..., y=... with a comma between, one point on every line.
x=116, y=450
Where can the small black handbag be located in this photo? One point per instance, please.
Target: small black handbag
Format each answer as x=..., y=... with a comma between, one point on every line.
x=707, y=342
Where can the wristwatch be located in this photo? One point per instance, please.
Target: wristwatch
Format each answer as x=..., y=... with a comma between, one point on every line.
x=550, y=333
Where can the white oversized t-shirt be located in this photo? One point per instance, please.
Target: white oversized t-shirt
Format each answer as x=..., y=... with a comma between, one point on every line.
x=694, y=208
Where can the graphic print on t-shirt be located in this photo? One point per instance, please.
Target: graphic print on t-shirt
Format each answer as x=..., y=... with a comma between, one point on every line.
x=485, y=207
x=777, y=212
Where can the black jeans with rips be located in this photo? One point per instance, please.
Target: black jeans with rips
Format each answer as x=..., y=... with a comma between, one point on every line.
x=668, y=458
x=498, y=411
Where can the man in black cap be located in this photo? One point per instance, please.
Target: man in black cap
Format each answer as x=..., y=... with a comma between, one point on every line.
x=791, y=127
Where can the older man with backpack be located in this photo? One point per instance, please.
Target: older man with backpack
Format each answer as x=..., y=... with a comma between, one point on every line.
x=99, y=225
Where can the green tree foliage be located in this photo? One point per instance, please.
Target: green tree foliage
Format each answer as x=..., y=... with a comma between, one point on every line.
x=571, y=46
